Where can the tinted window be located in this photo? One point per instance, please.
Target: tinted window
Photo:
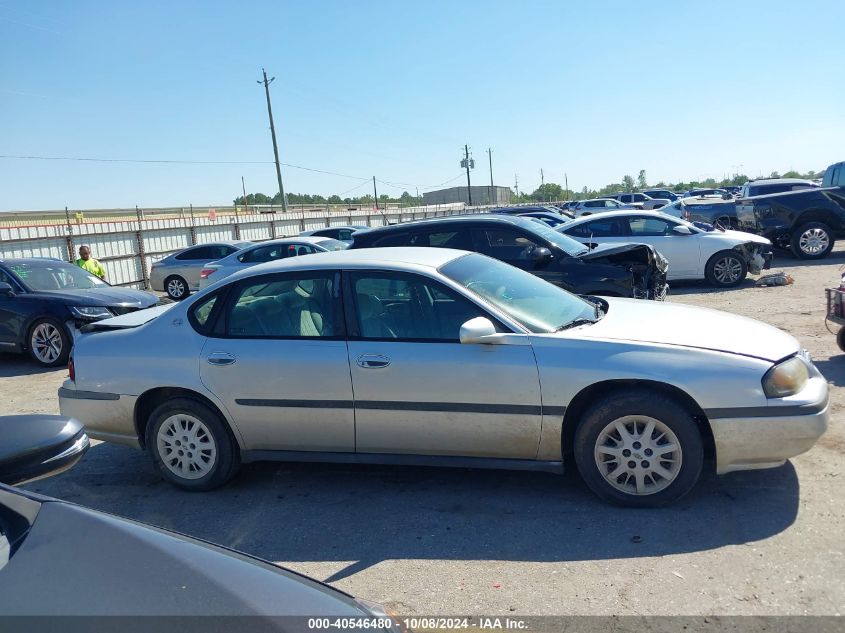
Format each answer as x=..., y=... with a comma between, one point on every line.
x=505, y=244
x=603, y=228
x=442, y=239
x=274, y=306
x=200, y=252
x=7, y=279
x=201, y=312
x=393, y=239
x=275, y=251
x=410, y=307
x=648, y=226
x=594, y=203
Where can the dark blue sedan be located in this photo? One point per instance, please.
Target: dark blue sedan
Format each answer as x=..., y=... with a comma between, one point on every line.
x=43, y=303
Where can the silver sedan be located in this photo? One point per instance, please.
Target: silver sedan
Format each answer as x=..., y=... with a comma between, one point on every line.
x=178, y=274
x=445, y=358
x=268, y=251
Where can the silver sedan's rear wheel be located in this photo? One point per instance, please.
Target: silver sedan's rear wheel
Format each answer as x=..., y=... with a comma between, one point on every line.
x=191, y=444
x=638, y=447
x=176, y=288
x=186, y=446
x=638, y=455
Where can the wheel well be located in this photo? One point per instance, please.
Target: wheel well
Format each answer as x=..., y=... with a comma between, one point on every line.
x=149, y=400
x=825, y=217
x=587, y=396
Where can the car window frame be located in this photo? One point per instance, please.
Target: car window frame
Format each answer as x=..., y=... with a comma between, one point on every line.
x=220, y=329
x=350, y=305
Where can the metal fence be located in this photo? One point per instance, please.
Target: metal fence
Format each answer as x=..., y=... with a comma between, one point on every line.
x=127, y=242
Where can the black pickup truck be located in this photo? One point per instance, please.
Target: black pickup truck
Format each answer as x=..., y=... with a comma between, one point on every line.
x=806, y=221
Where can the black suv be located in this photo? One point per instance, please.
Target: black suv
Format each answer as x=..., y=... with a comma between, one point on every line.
x=619, y=270
x=43, y=301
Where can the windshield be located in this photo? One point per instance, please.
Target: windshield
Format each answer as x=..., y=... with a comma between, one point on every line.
x=538, y=305
x=55, y=276
x=563, y=242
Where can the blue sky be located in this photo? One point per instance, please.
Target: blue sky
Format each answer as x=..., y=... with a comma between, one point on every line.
x=596, y=90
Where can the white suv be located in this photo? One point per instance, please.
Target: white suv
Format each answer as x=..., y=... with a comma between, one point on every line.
x=597, y=205
x=640, y=200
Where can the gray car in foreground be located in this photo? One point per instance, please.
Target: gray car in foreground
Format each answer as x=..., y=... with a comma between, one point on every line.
x=178, y=274
x=447, y=358
x=61, y=559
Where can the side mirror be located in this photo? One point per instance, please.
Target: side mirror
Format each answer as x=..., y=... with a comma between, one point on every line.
x=474, y=330
x=37, y=446
x=541, y=254
x=680, y=229
x=6, y=290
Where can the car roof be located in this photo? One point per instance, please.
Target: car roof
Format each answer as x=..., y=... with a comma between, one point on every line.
x=461, y=219
x=389, y=258
x=354, y=227
x=301, y=239
x=618, y=214
x=781, y=181
x=29, y=260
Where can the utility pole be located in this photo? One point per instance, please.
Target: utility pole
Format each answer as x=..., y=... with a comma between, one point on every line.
x=542, y=182
x=375, y=193
x=490, y=157
x=468, y=163
x=267, y=83
x=243, y=188
x=566, y=181
x=516, y=184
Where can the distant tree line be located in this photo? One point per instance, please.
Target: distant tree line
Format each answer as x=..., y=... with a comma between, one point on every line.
x=406, y=199
x=545, y=193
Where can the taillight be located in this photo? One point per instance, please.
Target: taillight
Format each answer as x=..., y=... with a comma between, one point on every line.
x=205, y=272
x=687, y=215
x=71, y=370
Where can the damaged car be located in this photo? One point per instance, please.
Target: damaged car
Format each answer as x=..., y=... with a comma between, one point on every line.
x=44, y=302
x=694, y=251
x=620, y=270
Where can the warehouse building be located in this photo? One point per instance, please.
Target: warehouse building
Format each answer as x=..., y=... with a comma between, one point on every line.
x=480, y=196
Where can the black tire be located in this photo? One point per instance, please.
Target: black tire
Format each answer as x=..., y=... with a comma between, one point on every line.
x=820, y=231
x=176, y=288
x=42, y=350
x=227, y=455
x=726, y=269
x=840, y=338
x=663, y=409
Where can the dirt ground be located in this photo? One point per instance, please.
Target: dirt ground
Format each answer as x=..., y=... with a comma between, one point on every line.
x=430, y=541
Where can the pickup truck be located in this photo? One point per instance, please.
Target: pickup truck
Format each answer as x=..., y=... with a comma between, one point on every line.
x=805, y=221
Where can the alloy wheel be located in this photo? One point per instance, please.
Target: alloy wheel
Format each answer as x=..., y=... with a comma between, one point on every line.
x=46, y=343
x=175, y=288
x=638, y=455
x=186, y=446
x=727, y=270
x=814, y=241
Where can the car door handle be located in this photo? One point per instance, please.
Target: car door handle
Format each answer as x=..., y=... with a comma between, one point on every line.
x=220, y=358
x=373, y=361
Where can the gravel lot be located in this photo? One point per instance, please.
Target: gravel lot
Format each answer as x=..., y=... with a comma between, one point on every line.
x=431, y=541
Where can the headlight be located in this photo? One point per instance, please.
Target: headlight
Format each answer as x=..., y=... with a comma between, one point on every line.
x=786, y=379
x=90, y=312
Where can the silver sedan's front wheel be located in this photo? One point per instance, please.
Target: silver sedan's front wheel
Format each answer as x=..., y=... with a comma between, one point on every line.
x=191, y=444
x=638, y=447
x=638, y=455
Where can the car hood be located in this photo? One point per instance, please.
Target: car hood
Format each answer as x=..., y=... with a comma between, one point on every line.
x=130, y=319
x=110, y=296
x=76, y=561
x=616, y=253
x=689, y=326
x=741, y=237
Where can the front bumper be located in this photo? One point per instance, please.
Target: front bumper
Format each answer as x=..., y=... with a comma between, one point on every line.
x=108, y=417
x=766, y=437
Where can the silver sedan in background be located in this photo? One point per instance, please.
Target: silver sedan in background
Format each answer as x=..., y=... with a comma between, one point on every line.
x=178, y=274
x=445, y=358
x=268, y=251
